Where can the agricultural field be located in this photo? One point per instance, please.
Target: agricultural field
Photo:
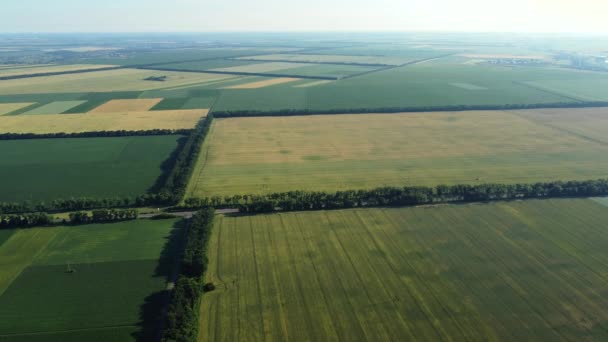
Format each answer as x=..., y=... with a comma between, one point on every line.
x=428, y=85
x=54, y=107
x=267, y=82
x=7, y=108
x=81, y=265
x=587, y=123
x=346, y=59
x=47, y=169
x=339, y=152
x=114, y=121
x=105, y=81
x=531, y=270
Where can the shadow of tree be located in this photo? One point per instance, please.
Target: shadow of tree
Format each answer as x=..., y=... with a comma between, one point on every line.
x=152, y=311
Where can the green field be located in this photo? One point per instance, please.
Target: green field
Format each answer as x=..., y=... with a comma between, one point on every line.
x=514, y=271
x=426, y=85
x=46, y=169
x=343, y=152
x=114, y=292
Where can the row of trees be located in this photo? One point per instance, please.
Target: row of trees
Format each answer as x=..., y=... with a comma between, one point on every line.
x=103, y=216
x=103, y=134
x=451, y=108
x=41, y=219
x=401, y=196
x=25, y=220
x=182, y=315
x=174, y=187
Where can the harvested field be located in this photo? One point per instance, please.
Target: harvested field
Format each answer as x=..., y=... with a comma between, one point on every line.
x=6, y=108
x=56, y=107
x=87, y=122
x=263, y=84
x=127, y=105
x=339, y=152
x=511, y=271
x=312, y=84
x=261, y=67
x=106, y=81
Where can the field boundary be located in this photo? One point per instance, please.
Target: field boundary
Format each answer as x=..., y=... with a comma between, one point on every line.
x=238, y=73
x=56, y=73
x=94, y=134
x=398, y=110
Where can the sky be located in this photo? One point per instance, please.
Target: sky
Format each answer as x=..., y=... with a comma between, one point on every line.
x=577, y=16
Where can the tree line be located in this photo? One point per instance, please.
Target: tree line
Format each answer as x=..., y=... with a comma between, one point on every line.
x=41, y=219
x=174, y=187
x=91, y=134
x=400, y=196
x=388, y=110
x=183, y=312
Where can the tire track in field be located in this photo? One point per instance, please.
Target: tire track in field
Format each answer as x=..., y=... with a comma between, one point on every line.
x=389, y=294
x=339, y=215
x=418, y=297
x=540, y=257
x=257, y=279
x=511, y=247
x=455, y=261
x=271, y=247
x=308, y=248
x=294, y=275
x=438, y=294
x=346, y=305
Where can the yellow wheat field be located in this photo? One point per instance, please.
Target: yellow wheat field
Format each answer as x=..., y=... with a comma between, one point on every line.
x=265, y=83
x=6, y=108
x=128, y=105
x=76, y=123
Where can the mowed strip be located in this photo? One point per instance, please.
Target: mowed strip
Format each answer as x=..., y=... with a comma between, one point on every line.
x=88, y=122
x=523, y=270
x=126, y=105
x=6, y=108
x=263, y=84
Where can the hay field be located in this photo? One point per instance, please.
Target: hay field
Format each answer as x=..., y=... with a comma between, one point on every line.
x=126, y=105
x=121, y=266
x=6, y=108
x=106, y=81
x=337, y=152
x=312, y=58
x=531, y=270
x=48, y=169
x=87, y=122
x=50, y=68
x=260, y=67
x=264, y=83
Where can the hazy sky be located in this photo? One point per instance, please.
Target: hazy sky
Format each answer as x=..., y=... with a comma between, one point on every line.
x=303, y=15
